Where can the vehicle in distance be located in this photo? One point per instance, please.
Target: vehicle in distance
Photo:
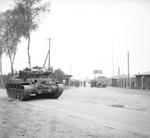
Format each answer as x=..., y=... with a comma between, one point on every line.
x=99, y=82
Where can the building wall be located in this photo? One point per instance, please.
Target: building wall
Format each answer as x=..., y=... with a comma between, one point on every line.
x=114, y=82
x=67, y=81
x=138, y=82
x=146, y=82
x=143, y=82
x=122, y=82
x=133, y=82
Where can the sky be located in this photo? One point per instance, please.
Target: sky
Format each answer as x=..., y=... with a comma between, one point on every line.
x=88, y=35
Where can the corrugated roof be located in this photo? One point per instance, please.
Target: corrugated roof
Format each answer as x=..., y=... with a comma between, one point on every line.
x=145, y=73
x=67, y=75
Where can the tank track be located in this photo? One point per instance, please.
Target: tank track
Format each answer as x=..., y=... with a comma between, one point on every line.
x=57, y=94
x=17, y=92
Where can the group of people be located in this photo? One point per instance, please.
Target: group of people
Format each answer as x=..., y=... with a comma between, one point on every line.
x=78, y=83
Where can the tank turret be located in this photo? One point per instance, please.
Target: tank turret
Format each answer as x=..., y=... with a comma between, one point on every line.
x=33, y=82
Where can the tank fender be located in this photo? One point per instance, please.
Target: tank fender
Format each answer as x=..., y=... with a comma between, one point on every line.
x=60, y=88
x=28, y=88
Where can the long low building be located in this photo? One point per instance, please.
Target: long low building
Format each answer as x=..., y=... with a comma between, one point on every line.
x=143, y=80
x=123, y=81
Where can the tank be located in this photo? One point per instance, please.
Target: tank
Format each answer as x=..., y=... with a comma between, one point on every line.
x=33, y=82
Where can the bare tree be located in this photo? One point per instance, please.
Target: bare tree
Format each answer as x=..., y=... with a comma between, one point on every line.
x=28, y=13
x=9, y=36
x=1, y=52
x=1, y=75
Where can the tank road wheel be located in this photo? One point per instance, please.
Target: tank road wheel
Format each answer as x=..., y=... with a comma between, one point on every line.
x=15, y=94
x=19, y=90
x=11, y=93
x=58, y=92
x=8, y=94
x=9, y=89
x=27, y=96
x=21, y=96
x=18, y=94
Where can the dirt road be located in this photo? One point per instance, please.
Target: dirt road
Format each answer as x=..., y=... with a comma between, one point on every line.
x=78, y=113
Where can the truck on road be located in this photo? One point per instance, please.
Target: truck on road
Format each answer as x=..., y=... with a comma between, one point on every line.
x=99, y=82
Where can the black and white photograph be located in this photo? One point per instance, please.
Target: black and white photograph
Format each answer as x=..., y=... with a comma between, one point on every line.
x=74, y=68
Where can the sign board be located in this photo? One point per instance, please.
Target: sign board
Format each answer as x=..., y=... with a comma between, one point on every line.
x=97, y=71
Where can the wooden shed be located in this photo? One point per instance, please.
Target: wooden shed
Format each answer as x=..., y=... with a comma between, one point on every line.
x=143, y=80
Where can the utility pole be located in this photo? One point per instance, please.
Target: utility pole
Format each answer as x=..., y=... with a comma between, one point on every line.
x=70, y=69
x=112, y=60
x=118, y=71
x=128, y=68
x=49, y=55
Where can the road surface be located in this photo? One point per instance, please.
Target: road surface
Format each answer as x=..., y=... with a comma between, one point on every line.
x=82, y=112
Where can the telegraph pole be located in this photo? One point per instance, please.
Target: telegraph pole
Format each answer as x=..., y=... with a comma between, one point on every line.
x=70, y=69
x=128, y=63
x=128, y=68
x=118, y=71
x=112, y=60
x=49, y=55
